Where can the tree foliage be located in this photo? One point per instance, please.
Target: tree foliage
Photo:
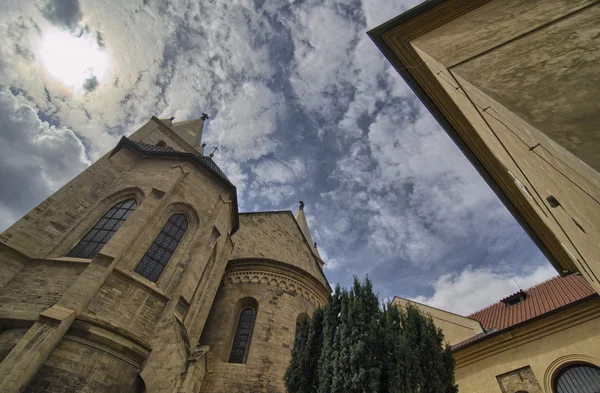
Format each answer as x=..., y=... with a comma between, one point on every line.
x=353, y=345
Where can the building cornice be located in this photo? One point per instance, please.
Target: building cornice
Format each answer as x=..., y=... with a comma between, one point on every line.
x=276, y=273
x=558, y=320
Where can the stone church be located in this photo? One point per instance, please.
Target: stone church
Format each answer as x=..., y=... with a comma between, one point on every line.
x=140, y=275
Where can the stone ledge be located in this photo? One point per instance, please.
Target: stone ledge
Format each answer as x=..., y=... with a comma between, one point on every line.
x=56, y=314
x=143, y=283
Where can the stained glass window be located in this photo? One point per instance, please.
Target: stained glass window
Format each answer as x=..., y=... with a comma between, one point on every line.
x=241, y=340
x=93, y=241
x=156, y=258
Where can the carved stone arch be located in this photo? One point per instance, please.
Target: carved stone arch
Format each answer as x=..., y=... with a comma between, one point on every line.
x=565, y=361
x=91, y=216
x=186, y=209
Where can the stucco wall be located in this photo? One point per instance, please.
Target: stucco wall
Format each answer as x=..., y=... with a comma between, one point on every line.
x=571, y=335
x=512, y=82
x=456, y=328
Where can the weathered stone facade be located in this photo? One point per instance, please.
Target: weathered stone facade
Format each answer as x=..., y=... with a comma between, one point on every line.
x=96, y=325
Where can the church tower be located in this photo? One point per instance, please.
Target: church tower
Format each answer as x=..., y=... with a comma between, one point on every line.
x=140, y=275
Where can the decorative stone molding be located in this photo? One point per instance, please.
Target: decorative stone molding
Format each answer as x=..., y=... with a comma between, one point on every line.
x=565, y=361
x=277, y=280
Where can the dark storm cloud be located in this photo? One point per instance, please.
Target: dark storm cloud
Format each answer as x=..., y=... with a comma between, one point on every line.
x=64, y=13
x=90, y=84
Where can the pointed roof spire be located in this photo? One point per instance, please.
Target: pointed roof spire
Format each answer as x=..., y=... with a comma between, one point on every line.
x=191, y=131
x=303, y=224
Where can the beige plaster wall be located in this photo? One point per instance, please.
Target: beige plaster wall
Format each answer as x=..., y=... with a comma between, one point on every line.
x=456, y=328
x=543, y=346
x=503, y=111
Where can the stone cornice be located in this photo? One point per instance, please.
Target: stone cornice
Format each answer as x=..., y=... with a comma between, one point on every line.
x=276, y=273
x=585, y=310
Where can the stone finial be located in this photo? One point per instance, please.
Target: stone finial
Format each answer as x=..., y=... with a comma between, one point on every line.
x=301, y=205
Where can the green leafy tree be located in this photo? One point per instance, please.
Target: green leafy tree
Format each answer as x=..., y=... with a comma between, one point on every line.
x=353, y=345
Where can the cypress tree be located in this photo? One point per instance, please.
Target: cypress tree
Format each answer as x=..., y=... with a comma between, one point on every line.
x=353, y=345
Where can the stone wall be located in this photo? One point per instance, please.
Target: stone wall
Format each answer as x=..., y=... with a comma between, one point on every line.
x=41, y=288
x=275, y=235
x=125, y=304
x=271, y=344
x=76, y=367
x=521, y=380
x=38, y=286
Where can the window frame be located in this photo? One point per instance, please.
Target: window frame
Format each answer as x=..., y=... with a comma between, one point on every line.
x=155, y=241
x=567, y=368
x=250, y=335
x=94, y=227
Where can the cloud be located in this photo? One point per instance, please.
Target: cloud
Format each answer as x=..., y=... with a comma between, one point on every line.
x=246, y=123
x=303, y=106
x=275, y=171
x=65, y=13
x=35, y=158
x=464, y=293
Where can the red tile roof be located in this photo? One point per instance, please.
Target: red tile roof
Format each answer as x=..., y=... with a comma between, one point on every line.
x=541, y=299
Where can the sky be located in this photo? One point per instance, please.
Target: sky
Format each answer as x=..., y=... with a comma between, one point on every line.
x=302, y=106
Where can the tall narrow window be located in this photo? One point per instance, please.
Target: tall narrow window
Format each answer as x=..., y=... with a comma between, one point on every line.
x=241, y=341
x=93, y=241
x=156, y=258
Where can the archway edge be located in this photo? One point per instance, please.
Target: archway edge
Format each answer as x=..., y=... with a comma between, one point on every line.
x=563, y=362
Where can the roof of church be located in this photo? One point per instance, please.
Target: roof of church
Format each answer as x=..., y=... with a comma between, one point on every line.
x=205, y=162
x=539, y=300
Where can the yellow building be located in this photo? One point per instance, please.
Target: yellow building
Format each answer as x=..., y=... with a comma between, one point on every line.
x=514, y=83
x=140, y=275
x=545, y=339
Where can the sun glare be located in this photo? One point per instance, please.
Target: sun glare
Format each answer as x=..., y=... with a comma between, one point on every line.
x=73, y=61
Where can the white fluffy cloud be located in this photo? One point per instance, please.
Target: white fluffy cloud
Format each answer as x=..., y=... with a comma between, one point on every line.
x=35, y=157
x=474, y=289
x=302, y=106
x=247, y=122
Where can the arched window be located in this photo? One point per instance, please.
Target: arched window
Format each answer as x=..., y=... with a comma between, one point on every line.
x=161, y=144
x=579, y=378
x=243, y=333
x=156, y=258
x=93, y=241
